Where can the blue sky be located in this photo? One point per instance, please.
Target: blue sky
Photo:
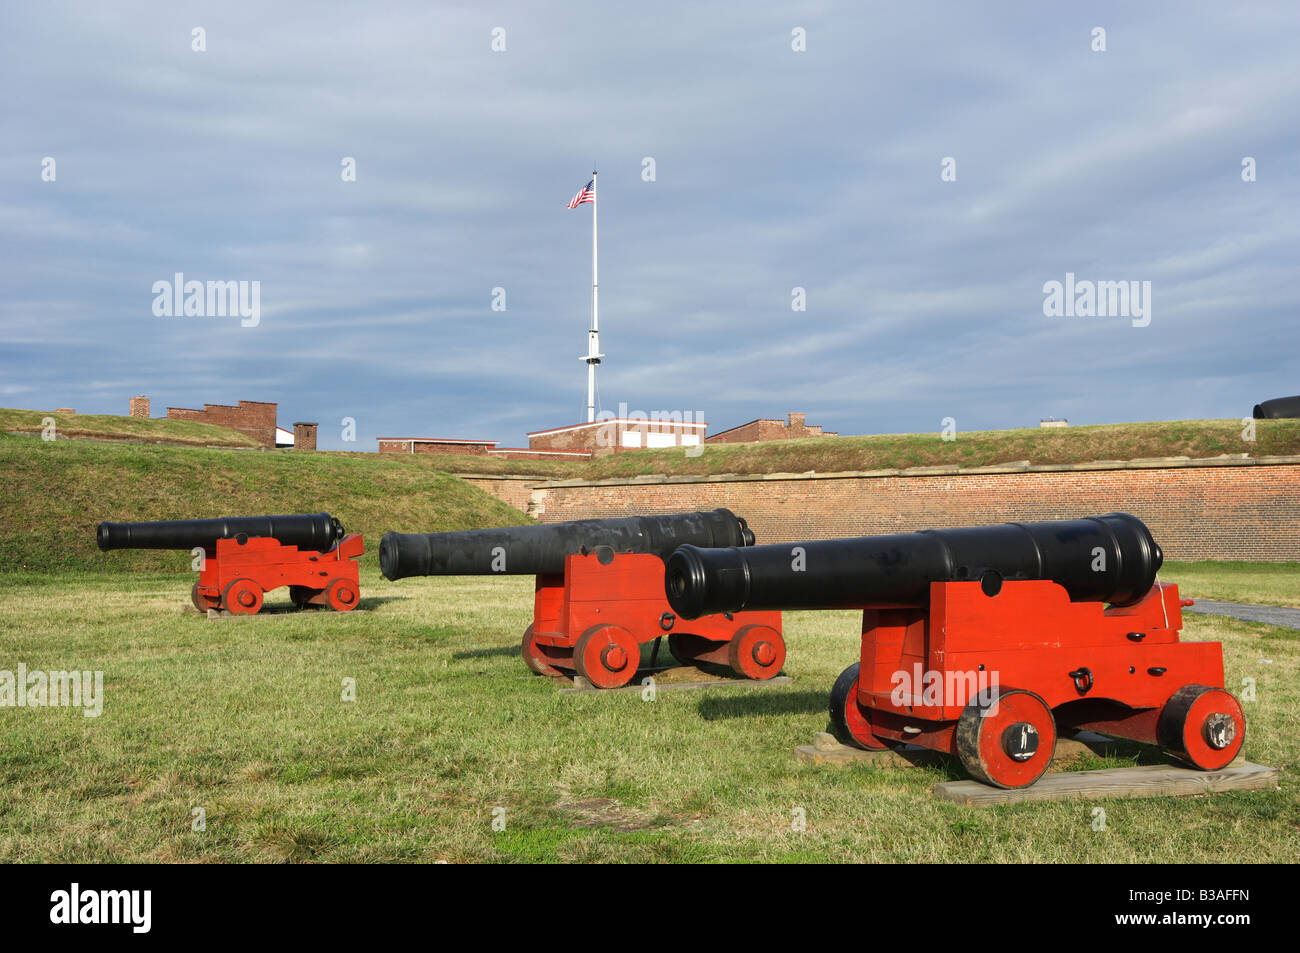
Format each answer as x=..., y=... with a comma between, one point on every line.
x=775, y=169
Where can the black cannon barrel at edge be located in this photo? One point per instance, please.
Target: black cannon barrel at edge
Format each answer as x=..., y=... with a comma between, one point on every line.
x=1278, y=407
x=317, y=531
x=529, y=550
x=1111, y=558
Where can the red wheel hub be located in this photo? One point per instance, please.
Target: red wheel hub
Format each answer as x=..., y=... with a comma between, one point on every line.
x=613, y=658
x=1008, y=743
x=242, y=597
x=1203, y=726
x=341, y=595
x=757, y=651
x=607, y=656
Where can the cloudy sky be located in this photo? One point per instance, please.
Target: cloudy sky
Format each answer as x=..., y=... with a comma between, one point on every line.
x=774, y=169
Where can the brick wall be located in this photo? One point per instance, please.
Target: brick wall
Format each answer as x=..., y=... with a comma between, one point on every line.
x=403, y=445
x=606, y=436
x=792, y=428
x=252, y=417
x=304, y=436
x=523, y=453
x=472, y=449
x=1237, y=510
x=519, y=492
x=139, y=406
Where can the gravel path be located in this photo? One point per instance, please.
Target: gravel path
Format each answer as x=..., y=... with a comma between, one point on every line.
x=1271, y=615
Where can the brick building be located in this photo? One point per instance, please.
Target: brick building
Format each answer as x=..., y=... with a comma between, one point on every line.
x=792, y=428
x=252, y=417
x=304, y=435
x=435, y=445
x=575, y=442
x=617, y=434
x=481, y=448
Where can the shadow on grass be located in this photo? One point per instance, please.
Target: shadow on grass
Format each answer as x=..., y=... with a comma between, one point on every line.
x=762, y=703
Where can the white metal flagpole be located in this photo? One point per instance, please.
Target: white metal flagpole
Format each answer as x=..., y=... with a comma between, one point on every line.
x=593, y=336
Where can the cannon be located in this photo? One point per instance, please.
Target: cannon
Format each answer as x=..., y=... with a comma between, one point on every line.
x=1278, y=407
x=986, y=642
x=241, y=558
x=599, y=591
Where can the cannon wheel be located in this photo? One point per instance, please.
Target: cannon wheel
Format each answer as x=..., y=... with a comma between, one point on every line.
x=242, y=597
x=847, y=717
x=341, y=594
x=301, y=596
x=201, y=602
x=607, y=656
x=1007, y=742
x=1202, y=726
x=533, y=658
x=757, y=651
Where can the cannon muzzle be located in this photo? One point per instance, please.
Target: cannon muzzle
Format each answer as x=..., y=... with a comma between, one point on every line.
x=318, y=531
x=1110, y=558
x=1277, y=407
x=532, y=550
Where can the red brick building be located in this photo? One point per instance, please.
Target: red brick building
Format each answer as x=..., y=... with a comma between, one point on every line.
x=482, y=448
x=617, y=434
x=435, y=445
x=252, y=417
x=792, y=428
x=575, y=442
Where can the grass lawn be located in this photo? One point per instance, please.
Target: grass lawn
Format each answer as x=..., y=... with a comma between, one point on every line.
x=1270, y=584
x=1037, y=445
x=114, y=427
x=244, y=719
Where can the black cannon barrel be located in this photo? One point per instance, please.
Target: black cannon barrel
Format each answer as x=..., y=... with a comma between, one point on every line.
x=1110, y=558
x=528, y=550
x=1278, y=407
x=318, y=531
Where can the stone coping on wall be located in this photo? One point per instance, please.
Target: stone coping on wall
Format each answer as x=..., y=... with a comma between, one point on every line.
x=1019, y=466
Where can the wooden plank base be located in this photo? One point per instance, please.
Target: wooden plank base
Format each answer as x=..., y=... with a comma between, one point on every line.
x=1148, y=780
x=276, y=611
x=580, y=686
x=826, y=749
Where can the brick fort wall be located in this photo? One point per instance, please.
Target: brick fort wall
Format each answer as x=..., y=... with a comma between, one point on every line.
x=1223, y=509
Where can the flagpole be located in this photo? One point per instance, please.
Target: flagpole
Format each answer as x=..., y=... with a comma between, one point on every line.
x=593, y=336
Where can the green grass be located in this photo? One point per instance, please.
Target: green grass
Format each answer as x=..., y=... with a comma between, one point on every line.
x=1037, y=445
x=1270, y=584
x=244, y=718
x=132, y=429
x=56, y=493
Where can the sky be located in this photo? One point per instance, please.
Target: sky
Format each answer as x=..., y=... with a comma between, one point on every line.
x=793, y=146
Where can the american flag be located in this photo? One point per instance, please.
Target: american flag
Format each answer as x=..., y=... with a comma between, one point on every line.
x=588, y=194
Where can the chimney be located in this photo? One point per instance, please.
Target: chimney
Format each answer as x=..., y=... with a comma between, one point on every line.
x=795, y=421
x=304, y=436
x=140, y=406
